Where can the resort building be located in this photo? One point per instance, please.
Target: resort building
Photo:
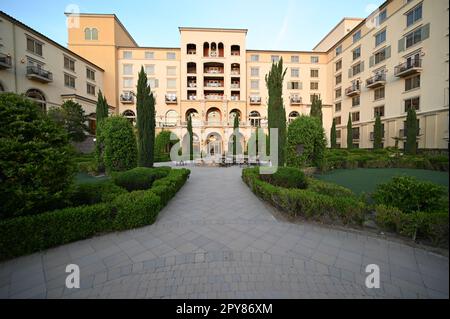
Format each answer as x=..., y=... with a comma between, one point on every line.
x=393, y=60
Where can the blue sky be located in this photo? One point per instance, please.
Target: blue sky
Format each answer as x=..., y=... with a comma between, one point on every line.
x=272, y=24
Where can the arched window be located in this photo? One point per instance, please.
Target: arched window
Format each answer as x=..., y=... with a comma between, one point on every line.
x=94, y=34
x=233, y=114
x=221, y=50
x=206, y=49
x=191, y=48
x=90, y=34
x=255, y=119
x=214, y=116
x=195, y=117
x=38, y=97
x=213, y=50
x=130, y=115
x=171, y=118
x=293, y=115
x=191, y=68
x=235, y=50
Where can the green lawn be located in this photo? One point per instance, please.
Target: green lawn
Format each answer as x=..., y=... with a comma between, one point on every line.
x=86, y=178
x=366, y=179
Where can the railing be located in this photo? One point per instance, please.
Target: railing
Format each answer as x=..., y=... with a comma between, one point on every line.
x=376, y=78
x=235, y=98
x=192, y=85
x=213, y=71
x=354, y=89
x=171, y=98
x=5, y=61
x=126, y=98
x=407, y=66
x=192, y=97
x=235, y=72
x=214, y=97
x=235, y=86
x=37, y=71
x=213, y=85
x=296, y=100
x=255, y=100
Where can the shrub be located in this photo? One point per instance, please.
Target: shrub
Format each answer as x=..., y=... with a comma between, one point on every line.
x=71, y=117
x=329, y=189
x=36, y=166
x=163, y=144
x=93, y=193
x=119, y=142
x=308, y=132
x=168, y=186
x=409, y=194
x=287, y=177
x=139, y=178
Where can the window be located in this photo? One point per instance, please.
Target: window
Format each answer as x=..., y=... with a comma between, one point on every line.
x=338, y=79
x=293, y=85
x=357, y=36
x=412, y=82
x=127, y=55
x=69, y=64
x=414, y=15
x=90, y=34
x=154, y=83
x=355, y=117
x=254, y=84
x=412, y=103
x=356, y=53
x=338, y=65
x=90, y=89
x=149, y=55
x=128, y=82
x=275, y=58
x=338, y=133
x=128, y=69
x=338, y=93
x=171, y=70
x=355, y=133
x=378, y=93
x=295, y=59
x=356, y=100
x=171, y=83
x=69, y=81
x=171, y=55
x=381, y=17
x=254, y=72
x=314, y=59
x=295, y=72
x=34, y=46
x=338, y=107
x=356, y=69
x=314, y=85
x=380, y=56
x=254, y=58
x=314, y=73
x=413, y=37
x=337, y=120
x=379, y=110
x=380, y=37
x=338, y=50
x=150, y=69
x=90, y=74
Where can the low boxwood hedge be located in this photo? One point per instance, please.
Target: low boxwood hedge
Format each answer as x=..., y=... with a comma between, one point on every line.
x=139, y=178
x=93, y=193
x=29, y=234
x=328, y=206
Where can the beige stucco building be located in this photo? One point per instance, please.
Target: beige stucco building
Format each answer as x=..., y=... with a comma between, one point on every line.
x=392, y=60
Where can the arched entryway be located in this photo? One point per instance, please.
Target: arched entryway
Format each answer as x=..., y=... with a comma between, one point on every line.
x=196, y=143
x=214, y=144
x=130, y=115
x=38, y=97
x=293, y=115
x=233, y=114
x=196, y=120
x=214, y=116
x=171, y=118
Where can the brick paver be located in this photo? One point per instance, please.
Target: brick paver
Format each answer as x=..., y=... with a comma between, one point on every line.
x=215, y=239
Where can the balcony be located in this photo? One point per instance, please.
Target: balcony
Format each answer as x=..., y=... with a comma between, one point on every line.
x=235, y=98
x=213, y=85
x=296, y=100
x=255, y=100
x=353, y=90
x=235, y=72
x=214, y=71
x=235, y=86
x=408, y=68
x=38, y=74
x=213, y=97
x=192, y=84
x=372, y=136
x=5, y=61
x=192, y=97
x=376, y=81
x=171, y=99
x=126, y=99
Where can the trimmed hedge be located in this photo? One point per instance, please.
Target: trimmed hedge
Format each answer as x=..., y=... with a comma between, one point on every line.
x=287, y=177
x=29, y=234
x=94, y=193
x=139, y=178
x=327, y=207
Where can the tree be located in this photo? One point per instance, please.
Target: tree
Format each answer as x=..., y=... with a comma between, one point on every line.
x=333, y=135
x=377, y=133
x=349, y=132
x=101, y=113
x=276, y=111
x=72, y=118
x=316, y=108
x=191, y=138
x=145, y=107
x=36, y=159
x=236, y=137
x=412, y=131
x=163, y=144
x=306, y=142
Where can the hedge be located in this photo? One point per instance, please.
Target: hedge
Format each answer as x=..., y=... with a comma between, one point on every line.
x=327, y=207
x=94, y=193
x=139, y=178
x=29, y=234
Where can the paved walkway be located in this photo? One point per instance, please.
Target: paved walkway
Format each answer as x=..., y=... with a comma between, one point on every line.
x=215, y=239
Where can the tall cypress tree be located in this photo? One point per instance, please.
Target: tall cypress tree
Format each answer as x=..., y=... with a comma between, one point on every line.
x=377, y=133
x=411, y=132
x=349, y=132
x=276, y=111
x=101, y=110
x=235, y=136
x=101, y=113
x=316, y=108
x=333, y=135
x=145, y=107
x=191, y=138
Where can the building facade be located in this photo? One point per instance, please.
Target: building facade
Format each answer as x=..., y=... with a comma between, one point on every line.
x=393, y=60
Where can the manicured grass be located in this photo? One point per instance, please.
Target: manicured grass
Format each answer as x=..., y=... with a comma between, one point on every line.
x=86, y=178
x=366, y=179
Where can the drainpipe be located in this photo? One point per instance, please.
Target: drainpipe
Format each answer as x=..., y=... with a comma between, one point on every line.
x=15, y=59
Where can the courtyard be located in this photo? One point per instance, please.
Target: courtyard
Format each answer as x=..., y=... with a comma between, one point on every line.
x=215, y=239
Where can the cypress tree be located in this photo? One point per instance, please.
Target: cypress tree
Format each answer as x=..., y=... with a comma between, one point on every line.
x=145, y=107
x=411, y=132
x=377, y=133
x=191, y=138
x=101, y=110
x=235, y=136
x=101, y=113
x=316, y=108
x=276, y=111
x=349, y=132
x=333, y=135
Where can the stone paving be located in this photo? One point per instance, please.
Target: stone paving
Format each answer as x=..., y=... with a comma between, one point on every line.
x=215, y=239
